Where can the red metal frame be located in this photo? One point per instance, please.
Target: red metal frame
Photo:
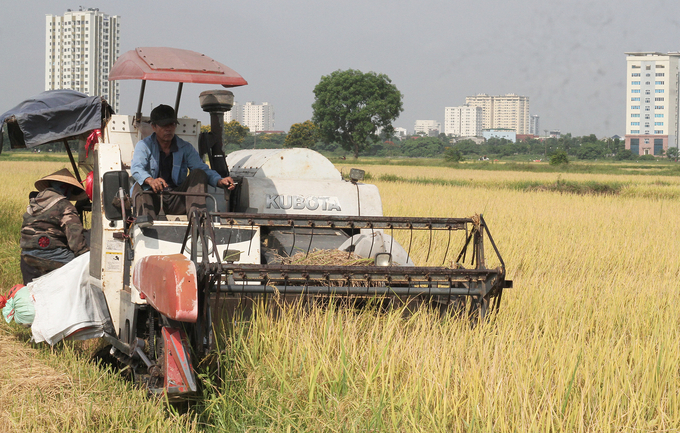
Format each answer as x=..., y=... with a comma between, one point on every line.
x=169, y=284
x=177, y=368
x=175, y=65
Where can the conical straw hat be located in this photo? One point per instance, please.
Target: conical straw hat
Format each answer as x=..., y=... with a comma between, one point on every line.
x=64, y=176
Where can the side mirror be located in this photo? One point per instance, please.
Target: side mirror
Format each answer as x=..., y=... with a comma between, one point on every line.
x=112, y=182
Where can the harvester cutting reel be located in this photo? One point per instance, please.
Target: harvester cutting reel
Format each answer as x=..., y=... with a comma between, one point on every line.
x=209, y=273
x=451, y=287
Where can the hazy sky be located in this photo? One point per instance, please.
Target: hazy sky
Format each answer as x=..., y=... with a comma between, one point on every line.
x=567, y=56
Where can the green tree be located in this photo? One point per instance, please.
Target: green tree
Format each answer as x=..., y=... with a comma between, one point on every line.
x=498, y=146
x=591, y=150
x=672, y=153
x=426, y=147
x=273, y=140
x=234, y=132
x=467, y=147
x=624, y=155
x=558, y=158
x=303, y=134
x=350, y=106
x=618, y=146
x=453, y=155
x=569, y=143
x=589, y=138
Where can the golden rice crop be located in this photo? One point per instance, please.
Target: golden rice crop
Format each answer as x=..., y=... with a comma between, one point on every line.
x=586, y=341
x=496, y=177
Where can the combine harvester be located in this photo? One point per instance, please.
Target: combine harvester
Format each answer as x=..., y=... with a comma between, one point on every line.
x=162, y=278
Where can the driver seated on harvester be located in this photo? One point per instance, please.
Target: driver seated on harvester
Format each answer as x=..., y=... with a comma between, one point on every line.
x=160, y=163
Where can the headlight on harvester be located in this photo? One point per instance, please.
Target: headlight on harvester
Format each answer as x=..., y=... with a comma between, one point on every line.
x=383, y=259
x=356, y=175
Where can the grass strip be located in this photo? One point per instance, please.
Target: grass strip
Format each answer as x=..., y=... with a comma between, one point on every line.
x=560, y=185
x=34, y=157
x=638, y=168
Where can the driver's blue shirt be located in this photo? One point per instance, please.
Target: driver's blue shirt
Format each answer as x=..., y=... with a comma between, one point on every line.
x=146, y=162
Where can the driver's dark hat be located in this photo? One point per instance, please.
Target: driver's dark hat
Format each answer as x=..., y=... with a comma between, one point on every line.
x=163, y=115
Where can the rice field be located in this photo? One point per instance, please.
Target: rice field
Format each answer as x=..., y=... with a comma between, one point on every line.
x=587, y=341
x=651, y=185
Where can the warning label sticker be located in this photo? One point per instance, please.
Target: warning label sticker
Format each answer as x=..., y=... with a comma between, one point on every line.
x=114, y=262
x=114, y=245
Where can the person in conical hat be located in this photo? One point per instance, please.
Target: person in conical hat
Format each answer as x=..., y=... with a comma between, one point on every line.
x=65, y=182
x=52, y=233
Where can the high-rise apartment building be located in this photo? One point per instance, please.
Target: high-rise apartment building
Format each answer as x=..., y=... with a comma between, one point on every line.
x=400, y=132
x=533, y=126
x=651, y=102
x=509, y=111
x=257, y=117
x=428, y=127
x=81, y=47
x=463, y=121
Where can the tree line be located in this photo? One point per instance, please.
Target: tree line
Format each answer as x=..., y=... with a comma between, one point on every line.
x=416, y=146
x=353, y=114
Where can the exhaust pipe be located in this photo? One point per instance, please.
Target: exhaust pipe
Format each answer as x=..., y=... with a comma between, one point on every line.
x=216, y=102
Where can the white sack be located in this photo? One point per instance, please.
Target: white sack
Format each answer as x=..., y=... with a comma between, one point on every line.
x=66, y=302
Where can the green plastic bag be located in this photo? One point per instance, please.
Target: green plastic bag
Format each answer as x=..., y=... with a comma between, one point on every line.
x=20, y=308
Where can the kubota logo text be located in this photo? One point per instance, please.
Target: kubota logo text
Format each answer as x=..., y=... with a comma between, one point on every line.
x=299, y=202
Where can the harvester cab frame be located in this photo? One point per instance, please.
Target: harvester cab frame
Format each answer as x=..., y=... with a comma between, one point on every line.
x=151, y=288
x=167, y=281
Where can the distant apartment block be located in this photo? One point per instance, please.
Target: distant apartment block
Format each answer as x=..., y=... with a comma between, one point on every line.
x=81, y=47
x=651, y=102
x=534, y=128
x=257, y=117
x=428, y=127
x=508, y=134
x=400, y=132
x=463, y=121
x=503, y=112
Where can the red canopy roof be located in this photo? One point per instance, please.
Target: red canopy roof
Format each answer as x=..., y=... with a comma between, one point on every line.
x=173, y=64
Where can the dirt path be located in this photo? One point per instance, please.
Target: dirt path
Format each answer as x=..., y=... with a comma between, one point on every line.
x=56, y=390
x=29, y=388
